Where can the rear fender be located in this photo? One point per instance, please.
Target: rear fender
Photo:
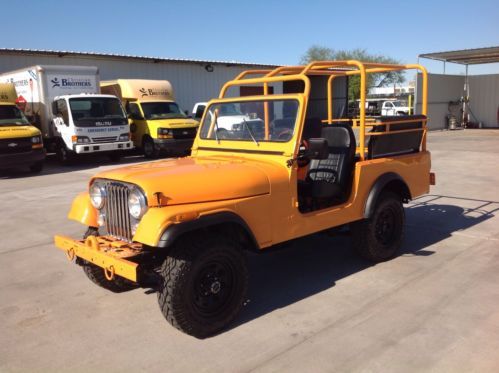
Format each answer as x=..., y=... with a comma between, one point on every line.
x=389, y=181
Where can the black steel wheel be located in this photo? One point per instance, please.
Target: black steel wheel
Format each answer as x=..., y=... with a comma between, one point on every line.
x=204, y=284
x=380, y=237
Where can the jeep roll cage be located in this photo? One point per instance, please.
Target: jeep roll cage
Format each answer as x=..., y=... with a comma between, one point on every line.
x=388, y=126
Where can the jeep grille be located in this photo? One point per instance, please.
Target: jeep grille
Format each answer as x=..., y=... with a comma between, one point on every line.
x=117, y=217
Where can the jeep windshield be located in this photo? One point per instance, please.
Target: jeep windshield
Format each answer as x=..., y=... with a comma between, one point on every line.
x=11, y=115
x=97, y=111
x=162, y=110
x=256, y=121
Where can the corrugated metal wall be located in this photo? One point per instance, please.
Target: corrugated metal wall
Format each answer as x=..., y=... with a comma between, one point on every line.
x=191, y=82
x=484, y=97
x=441, y=90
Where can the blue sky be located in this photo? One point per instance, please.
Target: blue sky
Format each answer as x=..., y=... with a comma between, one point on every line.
x=254, y=31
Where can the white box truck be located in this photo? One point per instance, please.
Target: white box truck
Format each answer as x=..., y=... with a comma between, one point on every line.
x=65, y=104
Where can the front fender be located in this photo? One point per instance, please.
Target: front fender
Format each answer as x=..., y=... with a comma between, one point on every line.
x=83, y=211
x=157, y=221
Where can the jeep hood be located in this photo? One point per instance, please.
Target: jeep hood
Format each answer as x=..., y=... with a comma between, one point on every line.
x=194, y=180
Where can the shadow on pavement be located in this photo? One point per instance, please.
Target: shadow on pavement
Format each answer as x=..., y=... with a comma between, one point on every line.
x=87, y=161
x=313, y=264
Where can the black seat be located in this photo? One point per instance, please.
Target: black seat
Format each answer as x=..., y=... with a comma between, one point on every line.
x=331, y=177
x=396, y=143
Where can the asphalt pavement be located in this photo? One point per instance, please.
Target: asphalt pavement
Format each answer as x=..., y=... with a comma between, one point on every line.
x=313, y=306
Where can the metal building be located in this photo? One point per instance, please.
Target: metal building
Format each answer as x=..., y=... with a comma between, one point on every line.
x=471, y=99
x=193, y=80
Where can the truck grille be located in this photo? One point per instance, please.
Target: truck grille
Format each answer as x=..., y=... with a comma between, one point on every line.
x=184, y=133
x=104, y=139
x=118, y=218
x=15, y=145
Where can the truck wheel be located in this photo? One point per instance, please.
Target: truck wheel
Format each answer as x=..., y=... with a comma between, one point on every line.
x=66, y=156
x=149, y=148
x=204, y=284
x=36, y=167
x=96, y=274
x=380, y=237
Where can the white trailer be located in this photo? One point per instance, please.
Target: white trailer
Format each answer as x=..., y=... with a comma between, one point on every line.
x=74, y=118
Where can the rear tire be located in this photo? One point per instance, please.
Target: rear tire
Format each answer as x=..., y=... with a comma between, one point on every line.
x=380, y=237
x=204, y=284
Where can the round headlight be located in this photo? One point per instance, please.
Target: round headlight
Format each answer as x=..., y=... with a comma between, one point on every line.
x=137, y=204
x=97, y=195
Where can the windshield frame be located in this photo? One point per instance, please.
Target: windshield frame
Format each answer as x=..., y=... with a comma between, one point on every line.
x=179, y=115
x=248, y=147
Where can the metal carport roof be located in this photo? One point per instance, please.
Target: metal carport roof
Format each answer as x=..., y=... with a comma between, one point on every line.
x=466, y=56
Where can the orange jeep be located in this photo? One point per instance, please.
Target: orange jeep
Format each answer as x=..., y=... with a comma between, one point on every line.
x=264, y=169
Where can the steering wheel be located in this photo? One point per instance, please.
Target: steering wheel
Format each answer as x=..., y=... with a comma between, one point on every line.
x=285, y=135
x=222, y=133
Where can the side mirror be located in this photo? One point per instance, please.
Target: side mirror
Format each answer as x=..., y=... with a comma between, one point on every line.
x=135, y=117
x=318, y=148
x=199, y=112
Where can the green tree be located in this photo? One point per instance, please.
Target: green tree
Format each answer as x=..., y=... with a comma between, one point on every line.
x=320, y=53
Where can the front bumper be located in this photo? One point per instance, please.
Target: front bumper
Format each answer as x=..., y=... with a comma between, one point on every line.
x=174, y=145
x=109, y=254
x=22, y=159
x=102, y=147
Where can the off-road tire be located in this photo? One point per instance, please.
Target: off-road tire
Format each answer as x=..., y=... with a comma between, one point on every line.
x=380, y=237
x=202, y=272
x=96, y=274
x=149, y=149
x=116, y=285
x=36, y=167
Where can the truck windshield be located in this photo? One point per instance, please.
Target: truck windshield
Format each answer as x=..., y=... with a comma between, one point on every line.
x=11, y=115
x=246, y=121
x=161, y=110
x=399, y=103
x=97, y=111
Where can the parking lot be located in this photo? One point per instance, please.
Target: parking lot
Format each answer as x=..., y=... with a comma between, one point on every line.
x=312, y=306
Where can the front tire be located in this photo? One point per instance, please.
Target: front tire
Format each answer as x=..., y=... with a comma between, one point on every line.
x=116, y=285
x=380, y=237
x=150, y=149
x=96, y=274
x=204, y=285
x=66, y=156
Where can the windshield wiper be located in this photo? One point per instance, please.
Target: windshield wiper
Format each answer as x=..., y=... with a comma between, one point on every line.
x=250, y=132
